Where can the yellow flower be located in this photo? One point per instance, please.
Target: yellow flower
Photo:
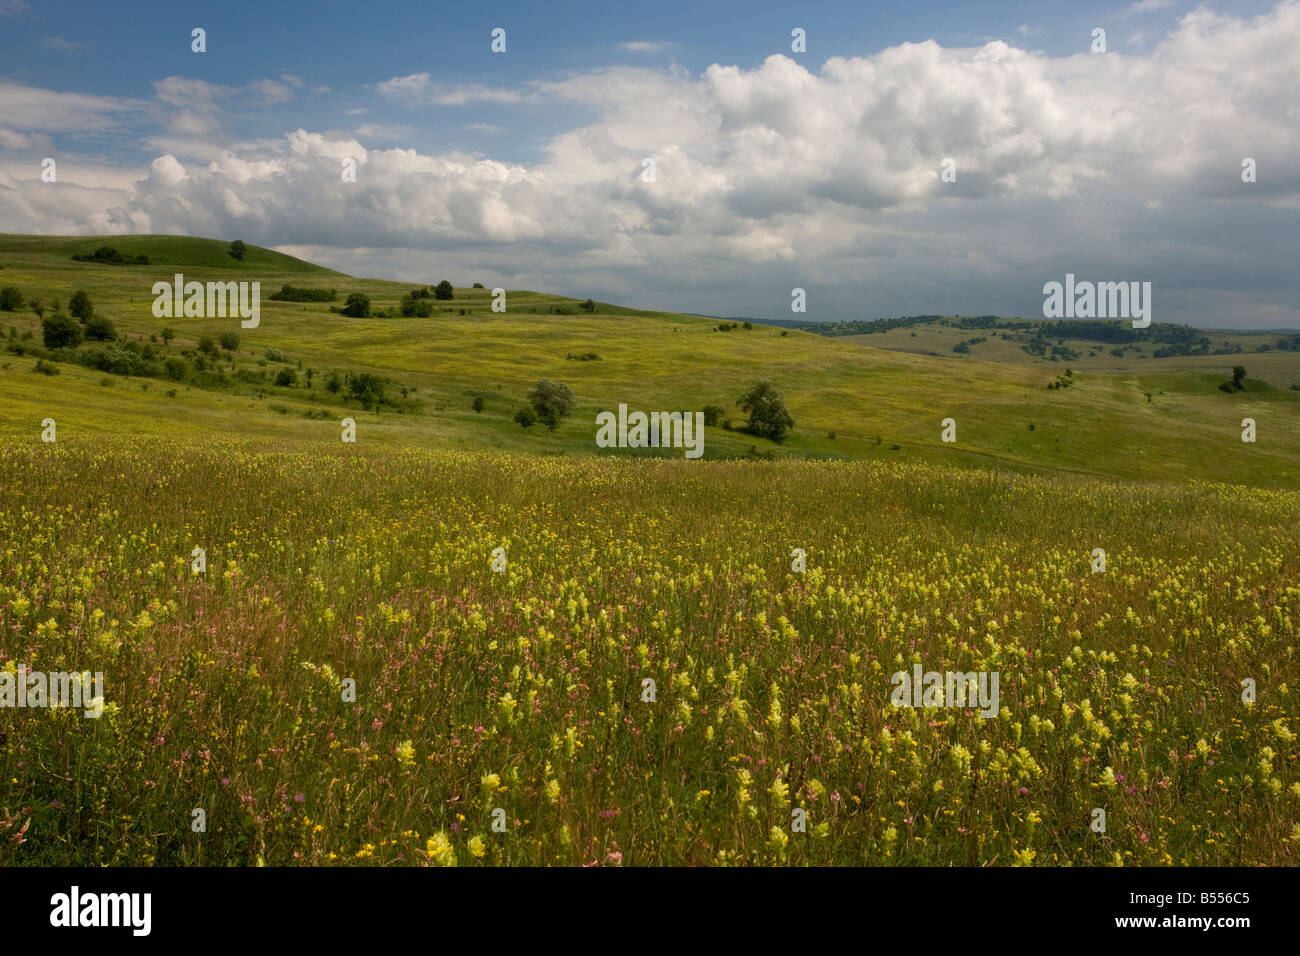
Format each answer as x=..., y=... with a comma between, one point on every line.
x=440, y=850
x=476, y=847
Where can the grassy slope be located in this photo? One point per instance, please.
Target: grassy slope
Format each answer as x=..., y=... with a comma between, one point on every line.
x=1105, y=424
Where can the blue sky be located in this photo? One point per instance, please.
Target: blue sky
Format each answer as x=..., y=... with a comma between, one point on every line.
x=775, y=169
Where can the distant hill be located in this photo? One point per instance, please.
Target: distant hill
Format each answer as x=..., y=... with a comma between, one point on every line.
x=1022, y=398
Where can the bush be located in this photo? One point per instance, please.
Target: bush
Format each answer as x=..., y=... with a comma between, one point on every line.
x=237, y=249
x=207, y=345
x=109, y=256
x=418, y=307
x=230, y=341
x=443, y=290
x=286, y=378
x=100, y=329
x=45, y=368
x=358, y=306
x=59, y=331
x=552, y=402
x=478, y=403
x=526, y=417
x=290, y=293
x=713, y=415
x=768, y=416
x=479, y=285
x=81, y=307
x=10, y=299
x=273, y=354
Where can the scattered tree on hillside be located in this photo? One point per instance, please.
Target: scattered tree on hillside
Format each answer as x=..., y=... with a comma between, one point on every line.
x=358, y=306
x=100, y=329
x=229, y=341
x=552, y=401
x=589, y=306
x=167, y=335
x=443, y=290
x=237, y=249
x=1238, y=373
x=81, y=307
x=207, y=346
x=768, y=416
x=526, y=417
x=59, y=331
x=10, y=299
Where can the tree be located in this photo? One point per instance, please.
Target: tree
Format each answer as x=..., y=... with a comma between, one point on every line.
x=59, y=331
x=589, y=306
x=366, y=388
x=207, y=345
x=478, y=285
x=478, y=403
x=100, y=329
x=237, y=249
x=230, y=341
x=358, y=306
x=286, y=377
x=443, y=290
x=37, y=306
x=167, y=335
x=713, y=415
x=417, y=306
x=1238, y=373
x=768, y=416
x=551, y=401
x=81, y=306
x=526, y=417
x=10, y=299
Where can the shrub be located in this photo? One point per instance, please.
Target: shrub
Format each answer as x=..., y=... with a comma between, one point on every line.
x=418, y=307
x=230, y=341
x=109, y=256
x=358, y=306
x=273, y=354
x=526, y=417
x=81, y=307
x=290, y=293
x=100, y=329
x=10, y=299
x=59, y=331
x=45, y=368
x=286, y=378
x=479, y=285
x=167, y=335
x=237, y=249
x=443, y=290
x=478, y=403
x=713, y=415
x=207, y=345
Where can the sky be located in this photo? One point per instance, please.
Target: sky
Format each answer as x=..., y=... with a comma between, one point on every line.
x=774, y=168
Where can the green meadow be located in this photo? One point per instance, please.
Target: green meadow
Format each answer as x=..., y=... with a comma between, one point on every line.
x=1162, y=419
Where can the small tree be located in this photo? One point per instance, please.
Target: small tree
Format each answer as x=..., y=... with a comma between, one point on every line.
x=81, y=306
x=230, y=341
x=167, y=335
x=37, y=306
x=478, y=403
x=589, y=306
x=10, y=299
x=768, y=416
x=713, y=415
x=552, y=401
x=59, y=331
x=443, y=290
x=100, y=329
x=479, y=285
x=526, y=417
x=237, y=249
x=358, y=306
x=1238, y=373
x=207, y=346
x=286, y=378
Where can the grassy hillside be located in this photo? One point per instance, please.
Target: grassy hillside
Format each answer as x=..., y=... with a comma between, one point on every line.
x=1150, y=421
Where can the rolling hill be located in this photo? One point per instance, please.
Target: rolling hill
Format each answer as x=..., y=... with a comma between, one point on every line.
x=1151, y=419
